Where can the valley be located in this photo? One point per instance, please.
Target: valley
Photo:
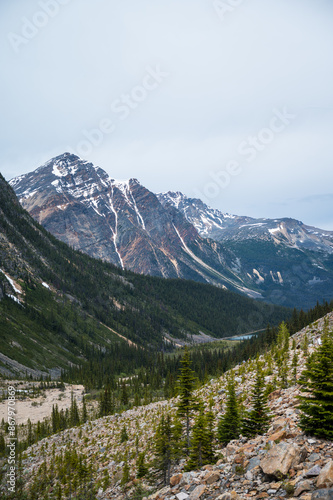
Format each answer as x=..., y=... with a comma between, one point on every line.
x=283, y=462
x=103, y=349
x=166, y=250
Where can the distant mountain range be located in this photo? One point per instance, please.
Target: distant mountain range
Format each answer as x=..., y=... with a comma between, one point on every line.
x=281, y=261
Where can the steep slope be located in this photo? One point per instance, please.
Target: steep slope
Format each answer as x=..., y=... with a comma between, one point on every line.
x=286, y=260
x=124, y=223
x=282, y=463
x=60, y=307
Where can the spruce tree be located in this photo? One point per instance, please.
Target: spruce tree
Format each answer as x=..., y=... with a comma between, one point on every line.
x=229, y=425
x=258, y=419
x=165, y=444
x=74, y=412
x=210, y=419
x=201, y=450
x=317, y=382
x=123, y=435
x=305, y=345
x=187, y=404
x=106, y=404
x=282, y=354
x=294, y=365
x=142, y=468
x=124, y=394
x=126, y=473
x=84, y=410
x=2, y=444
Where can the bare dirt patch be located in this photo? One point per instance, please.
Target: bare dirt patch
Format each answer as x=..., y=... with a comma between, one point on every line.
x=40, y=407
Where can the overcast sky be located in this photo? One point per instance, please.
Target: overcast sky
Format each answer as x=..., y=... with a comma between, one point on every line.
x=230, y=101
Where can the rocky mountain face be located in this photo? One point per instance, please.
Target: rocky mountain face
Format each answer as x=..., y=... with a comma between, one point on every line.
x=60, y=307
x=121, y=222
x=219, y=226
x=283, y=463
x=282, y=257
x=170, y=235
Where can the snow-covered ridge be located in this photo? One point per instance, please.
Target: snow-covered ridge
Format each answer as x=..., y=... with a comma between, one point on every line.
x=12, y=282
x=215, y=224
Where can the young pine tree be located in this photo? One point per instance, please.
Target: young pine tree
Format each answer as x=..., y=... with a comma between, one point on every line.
x=201, y=450
x=317, y=382
x=258, y=419
x=187, y=404
x=126, y=473
x=123, y=435
x=74, y=415
x=294, y=365
x=229, y=425
x=210, y=420
x=84, y=410
x=142, y=468
x=124, y=394
x=282, y=354
x=166, y=444
x=106, y=403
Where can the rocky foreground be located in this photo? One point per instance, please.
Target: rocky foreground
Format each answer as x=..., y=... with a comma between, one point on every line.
x=283, y=463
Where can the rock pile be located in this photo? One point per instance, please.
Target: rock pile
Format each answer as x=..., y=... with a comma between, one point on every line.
x=283, y=463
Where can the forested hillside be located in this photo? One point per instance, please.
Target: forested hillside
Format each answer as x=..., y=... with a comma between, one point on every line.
x=58, y=305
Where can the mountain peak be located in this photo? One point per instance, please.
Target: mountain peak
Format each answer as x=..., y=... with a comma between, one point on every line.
x=173, y=235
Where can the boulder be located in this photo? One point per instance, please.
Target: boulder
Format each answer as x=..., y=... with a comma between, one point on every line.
x=159, y=494
x=187, y=478
x=314, y=457
x=323, y=494
x=230, y=449
x=228, y=496
x=301, y=487
x=254, y=462
x=314, y=471
x=278, y=435
x=325, y=478
x=174, y=480
x=212, y=477
x=279, y=459
x=197, y=492
x=182, y=496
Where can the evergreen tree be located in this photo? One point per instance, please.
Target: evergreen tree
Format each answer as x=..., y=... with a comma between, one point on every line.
x=106, y=406
x=84, y=410
x=210, y=419
x=317, y=381
x=124, y=394
x=282, y=354
x=2, y=444
x=305, y=345
x=123, y=435
x=165, y=444
x=201, y=450
x=142, y=468
x=294, y=365
x=229, y=425
x=257, y=420
x=74, y=412
x=126, y=473
x=187, y=404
